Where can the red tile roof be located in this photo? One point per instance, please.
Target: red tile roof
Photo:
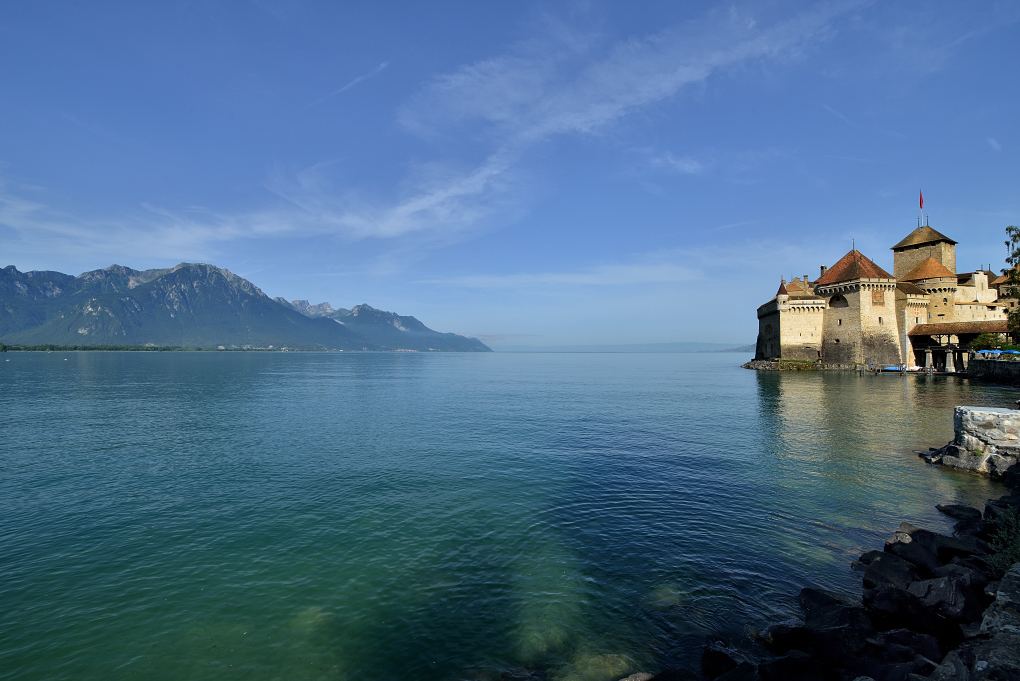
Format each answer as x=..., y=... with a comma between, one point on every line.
x=852, y=266
x=929, y=269
x=957, y=328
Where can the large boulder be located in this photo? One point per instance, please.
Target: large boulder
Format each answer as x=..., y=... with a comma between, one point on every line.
x=959, y=511
x=823, y=609
x=892, y=644
x=885, y=569
x=927, y=550
x=894, y=608
x=1003, y=615
x=952, y=597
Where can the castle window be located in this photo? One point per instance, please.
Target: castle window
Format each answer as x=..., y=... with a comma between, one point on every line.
x=917, y=320
x=837, y=340
x=839, y=322
x=945, y=300
x=879, y=320
x=838, y=301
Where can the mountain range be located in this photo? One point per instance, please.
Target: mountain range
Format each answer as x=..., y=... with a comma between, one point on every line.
x=196, y=306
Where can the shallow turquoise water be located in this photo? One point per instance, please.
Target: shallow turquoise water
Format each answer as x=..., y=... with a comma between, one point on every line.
x=394, y=516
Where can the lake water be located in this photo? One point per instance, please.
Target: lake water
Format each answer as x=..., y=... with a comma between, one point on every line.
x=191, y=516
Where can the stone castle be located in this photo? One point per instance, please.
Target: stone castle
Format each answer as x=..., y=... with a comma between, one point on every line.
x=856, y=314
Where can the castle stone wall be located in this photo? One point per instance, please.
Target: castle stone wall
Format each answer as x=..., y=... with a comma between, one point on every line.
x=801, y=332
x=768, y=345
x=841, y=328
x=907, y=259
x=879, y=329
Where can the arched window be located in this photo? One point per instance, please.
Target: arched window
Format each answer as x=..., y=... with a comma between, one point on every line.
x=838, y=301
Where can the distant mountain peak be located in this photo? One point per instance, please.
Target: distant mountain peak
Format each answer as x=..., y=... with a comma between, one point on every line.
x=310, y=310
x=194, y=305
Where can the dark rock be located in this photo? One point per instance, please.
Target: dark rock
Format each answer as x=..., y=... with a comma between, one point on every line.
x=745, y=671
x=893, y=608
x=925, y=645
x=955, y=597
x=918, y=555
x=786, y=636
x=1004, y=614
x=959, y=511
x=823, y=609
x=794, y=666
x=718, y=658
x=837, y=645
x=968, y=577
x=969, y=528
x=928, y=550
x=953, y=668
x=946, y=548
x=1012, y=477
x=980, y=565
x=886, y=569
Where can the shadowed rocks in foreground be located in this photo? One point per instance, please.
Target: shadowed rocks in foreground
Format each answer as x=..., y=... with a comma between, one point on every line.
x=936, y=607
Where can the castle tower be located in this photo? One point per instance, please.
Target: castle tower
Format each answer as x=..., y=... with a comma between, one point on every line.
x=921, y=244
x=860, y=320
x=939, y=283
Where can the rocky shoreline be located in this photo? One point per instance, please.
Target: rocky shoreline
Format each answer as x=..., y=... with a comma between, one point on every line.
x=936, y=607
x=795, y=365
x=987, y=440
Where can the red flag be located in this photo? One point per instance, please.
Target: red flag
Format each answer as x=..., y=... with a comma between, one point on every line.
x=922, y=200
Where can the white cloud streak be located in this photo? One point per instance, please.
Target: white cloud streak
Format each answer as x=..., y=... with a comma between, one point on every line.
x=354, y=82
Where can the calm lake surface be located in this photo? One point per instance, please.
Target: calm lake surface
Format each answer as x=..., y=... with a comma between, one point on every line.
x=188, y=516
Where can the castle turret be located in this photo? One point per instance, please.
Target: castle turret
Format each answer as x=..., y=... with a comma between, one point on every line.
x=920, y=245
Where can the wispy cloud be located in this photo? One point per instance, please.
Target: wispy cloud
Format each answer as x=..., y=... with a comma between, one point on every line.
x=569, y=84
x=565, y=83
x=994, y=144
x=354, y=82
x=684, y=165
x=542, y=89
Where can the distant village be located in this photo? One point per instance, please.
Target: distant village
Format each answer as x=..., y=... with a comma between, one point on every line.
x=923, y=315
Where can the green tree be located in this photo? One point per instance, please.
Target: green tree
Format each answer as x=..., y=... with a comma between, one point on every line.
x=1013, y=272
x=987, y=341
x=3, y=348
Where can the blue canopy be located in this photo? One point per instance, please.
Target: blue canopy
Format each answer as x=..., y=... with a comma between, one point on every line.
x=990, y=352
x=1010, y=352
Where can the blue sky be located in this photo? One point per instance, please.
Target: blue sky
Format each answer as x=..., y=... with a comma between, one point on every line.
x=531, y=173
